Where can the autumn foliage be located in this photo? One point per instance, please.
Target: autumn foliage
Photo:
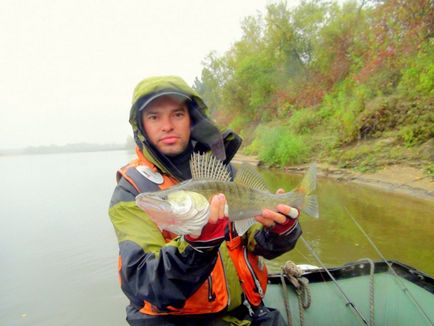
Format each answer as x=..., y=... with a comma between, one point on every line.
x=328, y=63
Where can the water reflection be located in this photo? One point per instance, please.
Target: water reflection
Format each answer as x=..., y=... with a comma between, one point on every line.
x=401, y=226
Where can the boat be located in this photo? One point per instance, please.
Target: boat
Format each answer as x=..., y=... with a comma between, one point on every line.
x=358, y=293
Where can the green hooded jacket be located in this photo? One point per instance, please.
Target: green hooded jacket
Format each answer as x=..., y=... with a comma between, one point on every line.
x=167, y=274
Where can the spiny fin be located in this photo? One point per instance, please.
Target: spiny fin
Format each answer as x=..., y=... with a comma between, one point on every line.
x=207, y=166
x=249, y=177
x=243, y=225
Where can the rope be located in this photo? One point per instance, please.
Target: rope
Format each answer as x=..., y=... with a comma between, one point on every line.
x=301, y=285
x=285, y=298
x=371, y=291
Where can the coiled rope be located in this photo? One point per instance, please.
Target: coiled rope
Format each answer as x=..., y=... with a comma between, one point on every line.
x=301, y=286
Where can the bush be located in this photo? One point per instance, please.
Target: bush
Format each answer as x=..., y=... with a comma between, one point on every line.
x=430, y=170
x=418, y=77
x=304, y=121
x=381, y=114
x=278, y=145
x=342, y=107
x=416, y=134
x=239, y=123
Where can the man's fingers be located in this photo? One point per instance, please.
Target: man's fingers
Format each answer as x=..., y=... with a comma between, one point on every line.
x=273, y=216
x=217, y=208
x=288, y=210
x=265, y=221
x=222, y=202
x=214, y=210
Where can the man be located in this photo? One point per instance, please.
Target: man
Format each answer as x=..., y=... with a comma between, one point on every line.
x=189, y=280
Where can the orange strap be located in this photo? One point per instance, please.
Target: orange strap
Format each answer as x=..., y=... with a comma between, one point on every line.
x=168, y=181
x=252, y=273
x=211, y=297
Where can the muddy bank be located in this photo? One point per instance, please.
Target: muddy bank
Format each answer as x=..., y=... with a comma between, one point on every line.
x=395, y=178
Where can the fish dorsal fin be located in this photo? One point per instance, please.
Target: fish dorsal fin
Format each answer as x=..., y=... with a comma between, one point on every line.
x=207, y=166
x=248, y=176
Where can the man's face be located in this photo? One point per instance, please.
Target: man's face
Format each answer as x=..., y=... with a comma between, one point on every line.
x=166, y=122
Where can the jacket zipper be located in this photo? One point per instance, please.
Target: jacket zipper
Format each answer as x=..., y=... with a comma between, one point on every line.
x=211, y=295
x=255, y=278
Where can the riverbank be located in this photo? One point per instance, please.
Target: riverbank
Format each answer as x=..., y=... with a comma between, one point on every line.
x=394, y=178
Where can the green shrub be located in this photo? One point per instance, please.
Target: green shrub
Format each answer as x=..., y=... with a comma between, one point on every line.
x=278, y=145
x=253, y=148
x=342, y=106
x=239, y=122
x=418, y=77
x=291, y=149
x=304, y=121
x=431, y=170
x=416, y=134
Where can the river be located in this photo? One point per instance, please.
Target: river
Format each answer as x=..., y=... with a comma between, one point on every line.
x=59, y=251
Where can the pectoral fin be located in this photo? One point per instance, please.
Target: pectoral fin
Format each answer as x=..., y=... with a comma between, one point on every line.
x=243, y=225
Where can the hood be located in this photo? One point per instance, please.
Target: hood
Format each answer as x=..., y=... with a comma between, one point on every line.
x=204, y=133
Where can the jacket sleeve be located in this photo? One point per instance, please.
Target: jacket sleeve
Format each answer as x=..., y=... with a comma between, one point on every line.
x=164, y=274
x=265, y=242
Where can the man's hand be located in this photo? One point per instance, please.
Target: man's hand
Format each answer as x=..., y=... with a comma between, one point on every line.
x=217, y=208
x=281, y=221
x=213, y=233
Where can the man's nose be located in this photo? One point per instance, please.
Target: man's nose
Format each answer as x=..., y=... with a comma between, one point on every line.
x=166, y=124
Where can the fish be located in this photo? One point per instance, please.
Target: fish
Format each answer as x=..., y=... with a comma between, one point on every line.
x=184, y=208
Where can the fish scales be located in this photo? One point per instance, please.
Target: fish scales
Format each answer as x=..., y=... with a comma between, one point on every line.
x=184, y=208
x=243, y=201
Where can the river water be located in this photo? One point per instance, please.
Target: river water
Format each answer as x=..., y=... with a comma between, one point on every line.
x=58, y=249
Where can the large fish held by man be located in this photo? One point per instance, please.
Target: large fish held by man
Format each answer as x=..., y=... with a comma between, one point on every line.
x=184, y=208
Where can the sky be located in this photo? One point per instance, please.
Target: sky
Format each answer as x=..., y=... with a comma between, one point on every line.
x=68, y=68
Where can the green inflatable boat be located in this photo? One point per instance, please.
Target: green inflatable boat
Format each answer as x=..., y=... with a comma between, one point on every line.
x=359, y=293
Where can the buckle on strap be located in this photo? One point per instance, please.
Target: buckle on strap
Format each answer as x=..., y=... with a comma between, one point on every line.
x=256, y=313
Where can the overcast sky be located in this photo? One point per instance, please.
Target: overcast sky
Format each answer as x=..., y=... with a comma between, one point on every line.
x=68, y=68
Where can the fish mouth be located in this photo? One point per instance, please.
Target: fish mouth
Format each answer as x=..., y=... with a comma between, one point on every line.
x=155, y=203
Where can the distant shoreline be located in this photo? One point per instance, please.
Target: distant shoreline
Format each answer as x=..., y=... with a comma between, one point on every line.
x=395, y=178
x=60, y=150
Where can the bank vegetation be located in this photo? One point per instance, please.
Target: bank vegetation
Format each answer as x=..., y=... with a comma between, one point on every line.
x=348, y=84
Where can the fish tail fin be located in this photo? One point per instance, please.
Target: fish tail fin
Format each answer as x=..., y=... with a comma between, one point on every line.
x=306, y=189
x=308, y=184
x=310, y=206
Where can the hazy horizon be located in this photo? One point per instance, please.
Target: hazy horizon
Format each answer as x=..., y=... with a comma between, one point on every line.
x=117, y=143
x=69, y=68
x=66, y=145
